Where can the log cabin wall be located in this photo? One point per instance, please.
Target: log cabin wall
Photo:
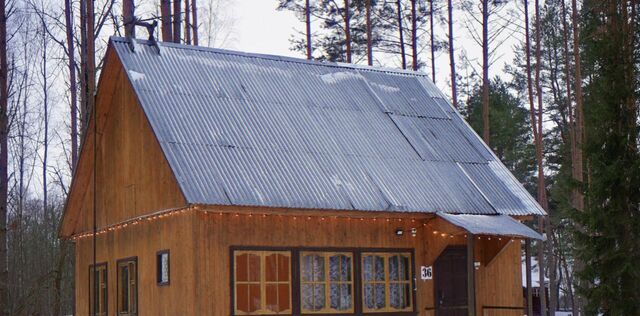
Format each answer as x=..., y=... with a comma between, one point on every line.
x=134, y=178
x=497, y=284
x=144, y=240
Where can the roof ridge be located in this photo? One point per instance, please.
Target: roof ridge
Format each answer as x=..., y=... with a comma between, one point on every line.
x=416, y=73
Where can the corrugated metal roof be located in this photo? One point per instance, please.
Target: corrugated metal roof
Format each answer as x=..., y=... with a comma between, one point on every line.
x=258, y=130
x=495, y=225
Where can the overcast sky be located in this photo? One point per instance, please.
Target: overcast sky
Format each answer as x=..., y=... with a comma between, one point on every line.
x=259, y=28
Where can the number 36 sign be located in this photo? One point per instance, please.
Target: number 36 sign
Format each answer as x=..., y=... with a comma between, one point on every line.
x=426, y=273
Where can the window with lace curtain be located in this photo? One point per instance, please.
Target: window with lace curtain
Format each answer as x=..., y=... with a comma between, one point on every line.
x=386, y=282
x=326, y=281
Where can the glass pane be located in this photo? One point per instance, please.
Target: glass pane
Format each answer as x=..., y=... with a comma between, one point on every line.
x=334, y=268
x=379, y=296
x=395, y=295
x=124, y=289
x=407, y=294
x=103, y=290
x=312, y=268
x=307, y=296
x=367, y=268
x=319, y=297
x=379, y=266
x=346, y=268
x=368, y=296
x=405, y=268
x=254, y=297
x=242, y=266
x=242, y=297
x=254, y=268
x=283, y=268
x=394, y=273
x=340, y=296
x=271, y=268
x=283, y=297
x=400, y=296
x=164, y=264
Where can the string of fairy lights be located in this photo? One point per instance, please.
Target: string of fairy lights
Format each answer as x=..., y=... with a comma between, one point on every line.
x=211, y=213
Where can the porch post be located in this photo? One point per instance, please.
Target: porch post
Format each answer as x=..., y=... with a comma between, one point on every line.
x=527, y=255
x=471, y=279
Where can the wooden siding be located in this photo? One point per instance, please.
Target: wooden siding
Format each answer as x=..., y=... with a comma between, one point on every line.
x=497, y=284
x=174, y=233
x=134, y=178
x=200, y=244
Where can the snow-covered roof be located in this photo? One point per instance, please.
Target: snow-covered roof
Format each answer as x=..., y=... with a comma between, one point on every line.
x=259, y=130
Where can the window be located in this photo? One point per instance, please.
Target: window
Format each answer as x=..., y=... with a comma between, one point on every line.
x=321, y=281
x=262, y=282
x=128, y=287
x=326, y=282
x=162, y=267
x=386, y=282
x=98, y=303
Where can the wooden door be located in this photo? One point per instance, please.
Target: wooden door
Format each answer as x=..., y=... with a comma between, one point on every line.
x=450, y=280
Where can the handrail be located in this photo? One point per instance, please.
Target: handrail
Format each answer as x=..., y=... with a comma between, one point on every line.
x=503, y=307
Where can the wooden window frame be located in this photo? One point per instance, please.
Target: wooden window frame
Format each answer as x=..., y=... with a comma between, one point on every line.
x=327, y=282
x=388, y=282
x=262, y=282
x=120, y=263
x=104, y=266
x=357, y=277
x=159, y=254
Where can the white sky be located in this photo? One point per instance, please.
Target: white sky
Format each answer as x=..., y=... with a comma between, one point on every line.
x=258, y=27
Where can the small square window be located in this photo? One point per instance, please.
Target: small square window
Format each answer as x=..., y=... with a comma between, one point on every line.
x=162, y=267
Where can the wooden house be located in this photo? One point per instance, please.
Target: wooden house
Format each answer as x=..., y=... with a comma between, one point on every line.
x=214, y=182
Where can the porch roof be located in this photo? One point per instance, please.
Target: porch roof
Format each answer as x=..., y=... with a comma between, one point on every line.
x=495, y=225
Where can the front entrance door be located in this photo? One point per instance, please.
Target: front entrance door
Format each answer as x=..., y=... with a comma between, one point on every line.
x=450, y=281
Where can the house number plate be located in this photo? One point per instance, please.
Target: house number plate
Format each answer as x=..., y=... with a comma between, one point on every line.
x=426, y=273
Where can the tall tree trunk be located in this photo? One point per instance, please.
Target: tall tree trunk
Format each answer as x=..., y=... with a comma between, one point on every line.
x=369, y=39
x=542, y=191
x=194, y=27
x=433, y=47
x=91, y=58
x=167, y=28
x=45, y=112
x=403, y=55
x=577, y=165
x=68, y=13
x=307, y=12
x=4, y=159
x=486, y=132
x=452, y=57
x=414, y=36
x=347, y=29
x=177, y=20
x=579, y=116
x=187, y=22
x=84, y=102
x=129, y=18
x=527, y=41
x=572, y=136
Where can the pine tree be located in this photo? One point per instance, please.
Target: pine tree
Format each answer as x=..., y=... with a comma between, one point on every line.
x=609, y=239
